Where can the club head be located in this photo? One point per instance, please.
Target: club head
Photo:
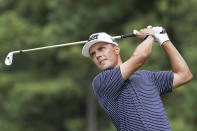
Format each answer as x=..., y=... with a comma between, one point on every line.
x=9, y=58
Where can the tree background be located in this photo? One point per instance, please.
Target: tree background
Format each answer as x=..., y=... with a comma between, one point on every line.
x=50, y=90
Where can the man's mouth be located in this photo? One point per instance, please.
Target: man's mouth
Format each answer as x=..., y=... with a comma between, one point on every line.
x=101, y=62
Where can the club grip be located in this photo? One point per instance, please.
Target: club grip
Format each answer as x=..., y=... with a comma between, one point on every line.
x=127, y=35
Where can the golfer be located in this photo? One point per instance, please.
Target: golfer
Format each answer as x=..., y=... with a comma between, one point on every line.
x=131, y=97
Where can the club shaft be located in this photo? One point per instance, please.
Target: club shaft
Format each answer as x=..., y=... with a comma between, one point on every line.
x=53, y=46
x=68, y=44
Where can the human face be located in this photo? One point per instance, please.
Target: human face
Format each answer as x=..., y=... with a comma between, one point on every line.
x=104, y=55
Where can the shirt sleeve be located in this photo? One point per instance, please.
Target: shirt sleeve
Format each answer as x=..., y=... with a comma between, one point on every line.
x=163, y=81
x=108, y=83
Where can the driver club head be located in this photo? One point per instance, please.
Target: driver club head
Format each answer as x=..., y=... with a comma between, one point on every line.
x=9, y=59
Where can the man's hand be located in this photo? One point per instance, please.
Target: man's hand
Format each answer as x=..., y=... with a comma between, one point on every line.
x=160, y=35
x=141, y=34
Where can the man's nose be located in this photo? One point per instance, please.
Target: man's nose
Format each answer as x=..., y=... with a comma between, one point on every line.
x=98, y=54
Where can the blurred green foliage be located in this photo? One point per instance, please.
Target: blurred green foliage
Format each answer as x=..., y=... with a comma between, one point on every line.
x=47, y=90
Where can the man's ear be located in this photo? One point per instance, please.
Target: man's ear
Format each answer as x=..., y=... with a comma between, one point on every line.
x=117, y=50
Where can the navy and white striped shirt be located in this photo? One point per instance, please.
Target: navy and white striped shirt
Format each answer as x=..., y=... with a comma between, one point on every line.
x=134, y=104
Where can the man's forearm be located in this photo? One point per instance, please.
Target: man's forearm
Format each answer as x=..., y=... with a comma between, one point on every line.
x=181, y=71
x=141, y=53
x=145, y=48
x=177, y=62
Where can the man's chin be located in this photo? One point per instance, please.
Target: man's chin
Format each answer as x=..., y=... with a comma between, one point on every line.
x=105, y=67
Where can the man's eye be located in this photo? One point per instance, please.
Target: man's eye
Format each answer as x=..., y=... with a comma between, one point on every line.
x=92, y=54
x=101, y=48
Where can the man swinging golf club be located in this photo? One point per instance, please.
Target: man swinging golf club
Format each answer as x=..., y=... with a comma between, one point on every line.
x=130, y=97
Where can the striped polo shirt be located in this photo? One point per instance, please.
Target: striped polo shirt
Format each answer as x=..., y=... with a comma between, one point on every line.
x=134, y=104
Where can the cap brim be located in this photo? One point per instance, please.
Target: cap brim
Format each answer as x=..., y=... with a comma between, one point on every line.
x=86, y=47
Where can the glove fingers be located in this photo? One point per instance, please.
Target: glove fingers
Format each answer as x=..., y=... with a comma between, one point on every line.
x=149, y=27
x=158, y=29
x=135, y=32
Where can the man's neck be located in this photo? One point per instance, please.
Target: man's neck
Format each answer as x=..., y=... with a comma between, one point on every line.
x=119, y=62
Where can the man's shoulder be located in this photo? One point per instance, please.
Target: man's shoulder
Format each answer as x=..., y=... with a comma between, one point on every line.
x=98, y=77
x=105, y=73
x=142, y=72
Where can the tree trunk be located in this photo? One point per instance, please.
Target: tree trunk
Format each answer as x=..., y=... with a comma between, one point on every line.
x=91, y=112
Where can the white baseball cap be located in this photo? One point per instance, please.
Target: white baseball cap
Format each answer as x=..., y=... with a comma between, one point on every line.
x=95, y=38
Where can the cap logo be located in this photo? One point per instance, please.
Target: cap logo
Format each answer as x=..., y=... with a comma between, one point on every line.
x=93, y=37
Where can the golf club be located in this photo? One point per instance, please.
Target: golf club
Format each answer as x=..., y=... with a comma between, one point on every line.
x=9, y=58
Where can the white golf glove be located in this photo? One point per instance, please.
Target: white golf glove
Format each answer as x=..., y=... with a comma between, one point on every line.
x=160, y=35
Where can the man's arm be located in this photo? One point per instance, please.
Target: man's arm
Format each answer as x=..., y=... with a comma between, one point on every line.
x=180, y=69
x=140, y=55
